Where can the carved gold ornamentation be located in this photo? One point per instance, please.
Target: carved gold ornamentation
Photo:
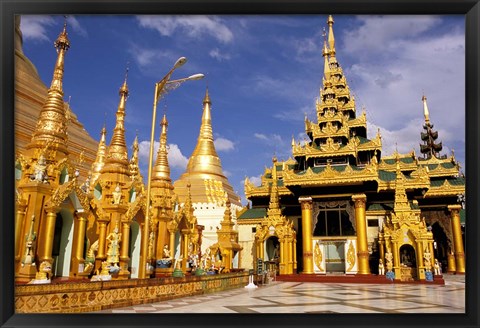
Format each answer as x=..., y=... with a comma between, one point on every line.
x=317, y=258
x=351, y=257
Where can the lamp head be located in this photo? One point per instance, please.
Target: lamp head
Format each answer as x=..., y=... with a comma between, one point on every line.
x=196, y=77
x=180, y=62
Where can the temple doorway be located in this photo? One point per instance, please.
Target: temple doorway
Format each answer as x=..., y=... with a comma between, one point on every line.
x=440, y=245
x=134, y=250
x=62, y=244
x=272, y=249
x=407, y=256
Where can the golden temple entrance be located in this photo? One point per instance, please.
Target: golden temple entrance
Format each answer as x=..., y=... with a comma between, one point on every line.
x=335, y=256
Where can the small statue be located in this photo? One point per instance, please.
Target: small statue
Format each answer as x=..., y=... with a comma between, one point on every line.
x=437, y=268
x=44, y=272
x=40, y=170
x=90, y=258
x=117, y=194
x=29, y=257
x=381, y=268
x=166, y=253
x=105, y=269
x=112, y=253
x=427, y=260
x=389, y=259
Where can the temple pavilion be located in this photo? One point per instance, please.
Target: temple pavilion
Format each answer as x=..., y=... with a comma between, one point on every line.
x=338, y=206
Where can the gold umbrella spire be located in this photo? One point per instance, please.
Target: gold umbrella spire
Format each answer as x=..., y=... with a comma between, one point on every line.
x=51, y=127
x=331, y=37
x=326, y=67
x=133, y=166
x=100, y=159
x=204, y=158
x=117, y=156
x=425, y=109
x=161, y=169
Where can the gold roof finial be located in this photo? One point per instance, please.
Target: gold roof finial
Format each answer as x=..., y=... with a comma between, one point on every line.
x=100, y=158
x=52, y=123
x=426, y=113
x=161, y=169
x=326, y=66
x=204, y=158
x=331, y=37
x=133, y=165
x=117, y=156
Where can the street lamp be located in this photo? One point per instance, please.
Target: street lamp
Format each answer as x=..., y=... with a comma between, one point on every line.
x=161, y=88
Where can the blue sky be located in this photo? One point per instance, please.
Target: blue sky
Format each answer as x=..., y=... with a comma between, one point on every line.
x=263, y=74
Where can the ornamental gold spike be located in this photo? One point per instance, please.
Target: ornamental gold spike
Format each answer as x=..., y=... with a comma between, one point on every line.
x=204, y=158
x=52, y=123
x=133, y=165
x=331, y=37
x=117, y=156
x=425, y=109
x=101, y=153
x=161, y=169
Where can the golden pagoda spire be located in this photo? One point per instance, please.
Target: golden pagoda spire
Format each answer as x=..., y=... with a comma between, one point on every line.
x=325, y=53
x=161, y=169
x=133, y=166
x=117, y=156
x=425, y=110
x=51, y=127
x=331, y=37
x=100, y=159
x=274, y=205
x=204, y=158
x=401, y=199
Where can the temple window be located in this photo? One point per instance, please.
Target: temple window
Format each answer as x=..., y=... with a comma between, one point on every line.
x=333, y=222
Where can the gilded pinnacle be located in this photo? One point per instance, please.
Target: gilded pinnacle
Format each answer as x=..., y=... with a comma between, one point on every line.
x=161, y=169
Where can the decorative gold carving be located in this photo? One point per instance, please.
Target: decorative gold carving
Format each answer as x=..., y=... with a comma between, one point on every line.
x=318, y=256
x=351, y=258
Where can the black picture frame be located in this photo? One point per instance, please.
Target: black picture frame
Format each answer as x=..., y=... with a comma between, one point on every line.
x=9, y=8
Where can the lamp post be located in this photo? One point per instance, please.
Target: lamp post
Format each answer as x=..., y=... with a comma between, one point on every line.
x=161, y=88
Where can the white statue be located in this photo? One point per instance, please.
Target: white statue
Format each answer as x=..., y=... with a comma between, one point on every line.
x=381, y=268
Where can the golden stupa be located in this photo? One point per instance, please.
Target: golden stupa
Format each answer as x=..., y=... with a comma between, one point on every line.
x=204, y=170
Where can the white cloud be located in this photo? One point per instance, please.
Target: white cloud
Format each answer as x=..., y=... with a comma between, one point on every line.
x=256, y=180
x=144, y=151
x=218, y=55
x=260, y=136
x=73, y=22
x=34, y=27
x=222, y=144
x=175, y=157
x=193, y=26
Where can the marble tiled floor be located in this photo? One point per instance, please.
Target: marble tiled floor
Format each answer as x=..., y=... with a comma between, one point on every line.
x=294, y=297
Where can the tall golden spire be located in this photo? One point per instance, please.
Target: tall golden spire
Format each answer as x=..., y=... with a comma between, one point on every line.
x=401, y=200
x=331, y=37
x=325, y=53
x=204, y=169
x=51, y=127
x=425, y=109
x=117, y=156
x=204, y=159
x=274, y=205
x=161, y=169
x=133, y=165
x=100, y=159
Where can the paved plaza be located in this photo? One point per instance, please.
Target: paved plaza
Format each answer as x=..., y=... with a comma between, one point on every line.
x=314, y=297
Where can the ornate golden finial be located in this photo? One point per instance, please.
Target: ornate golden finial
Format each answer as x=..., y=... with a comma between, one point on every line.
x=331, y=37
x=325, y=53
x=204, y=158
x=426, y=113
x=117, y=156
x=52, y=123
x=133, y=165
x=161, y=169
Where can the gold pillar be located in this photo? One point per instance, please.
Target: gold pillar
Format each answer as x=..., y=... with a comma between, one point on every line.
x=101, y=244
x=184, y=251
x=432, y=251
x=307, y=206
x=457, y=239
x=360, y=201
x=451, y=267
x=19, y=222
x=283, y=258
x=172, y=244
x=261, y=250
x=381, y=249
x=79, y=239
x=124, y=246
x=420, y=265
x=48, y=233
x=290, y=256
x=294, y=255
